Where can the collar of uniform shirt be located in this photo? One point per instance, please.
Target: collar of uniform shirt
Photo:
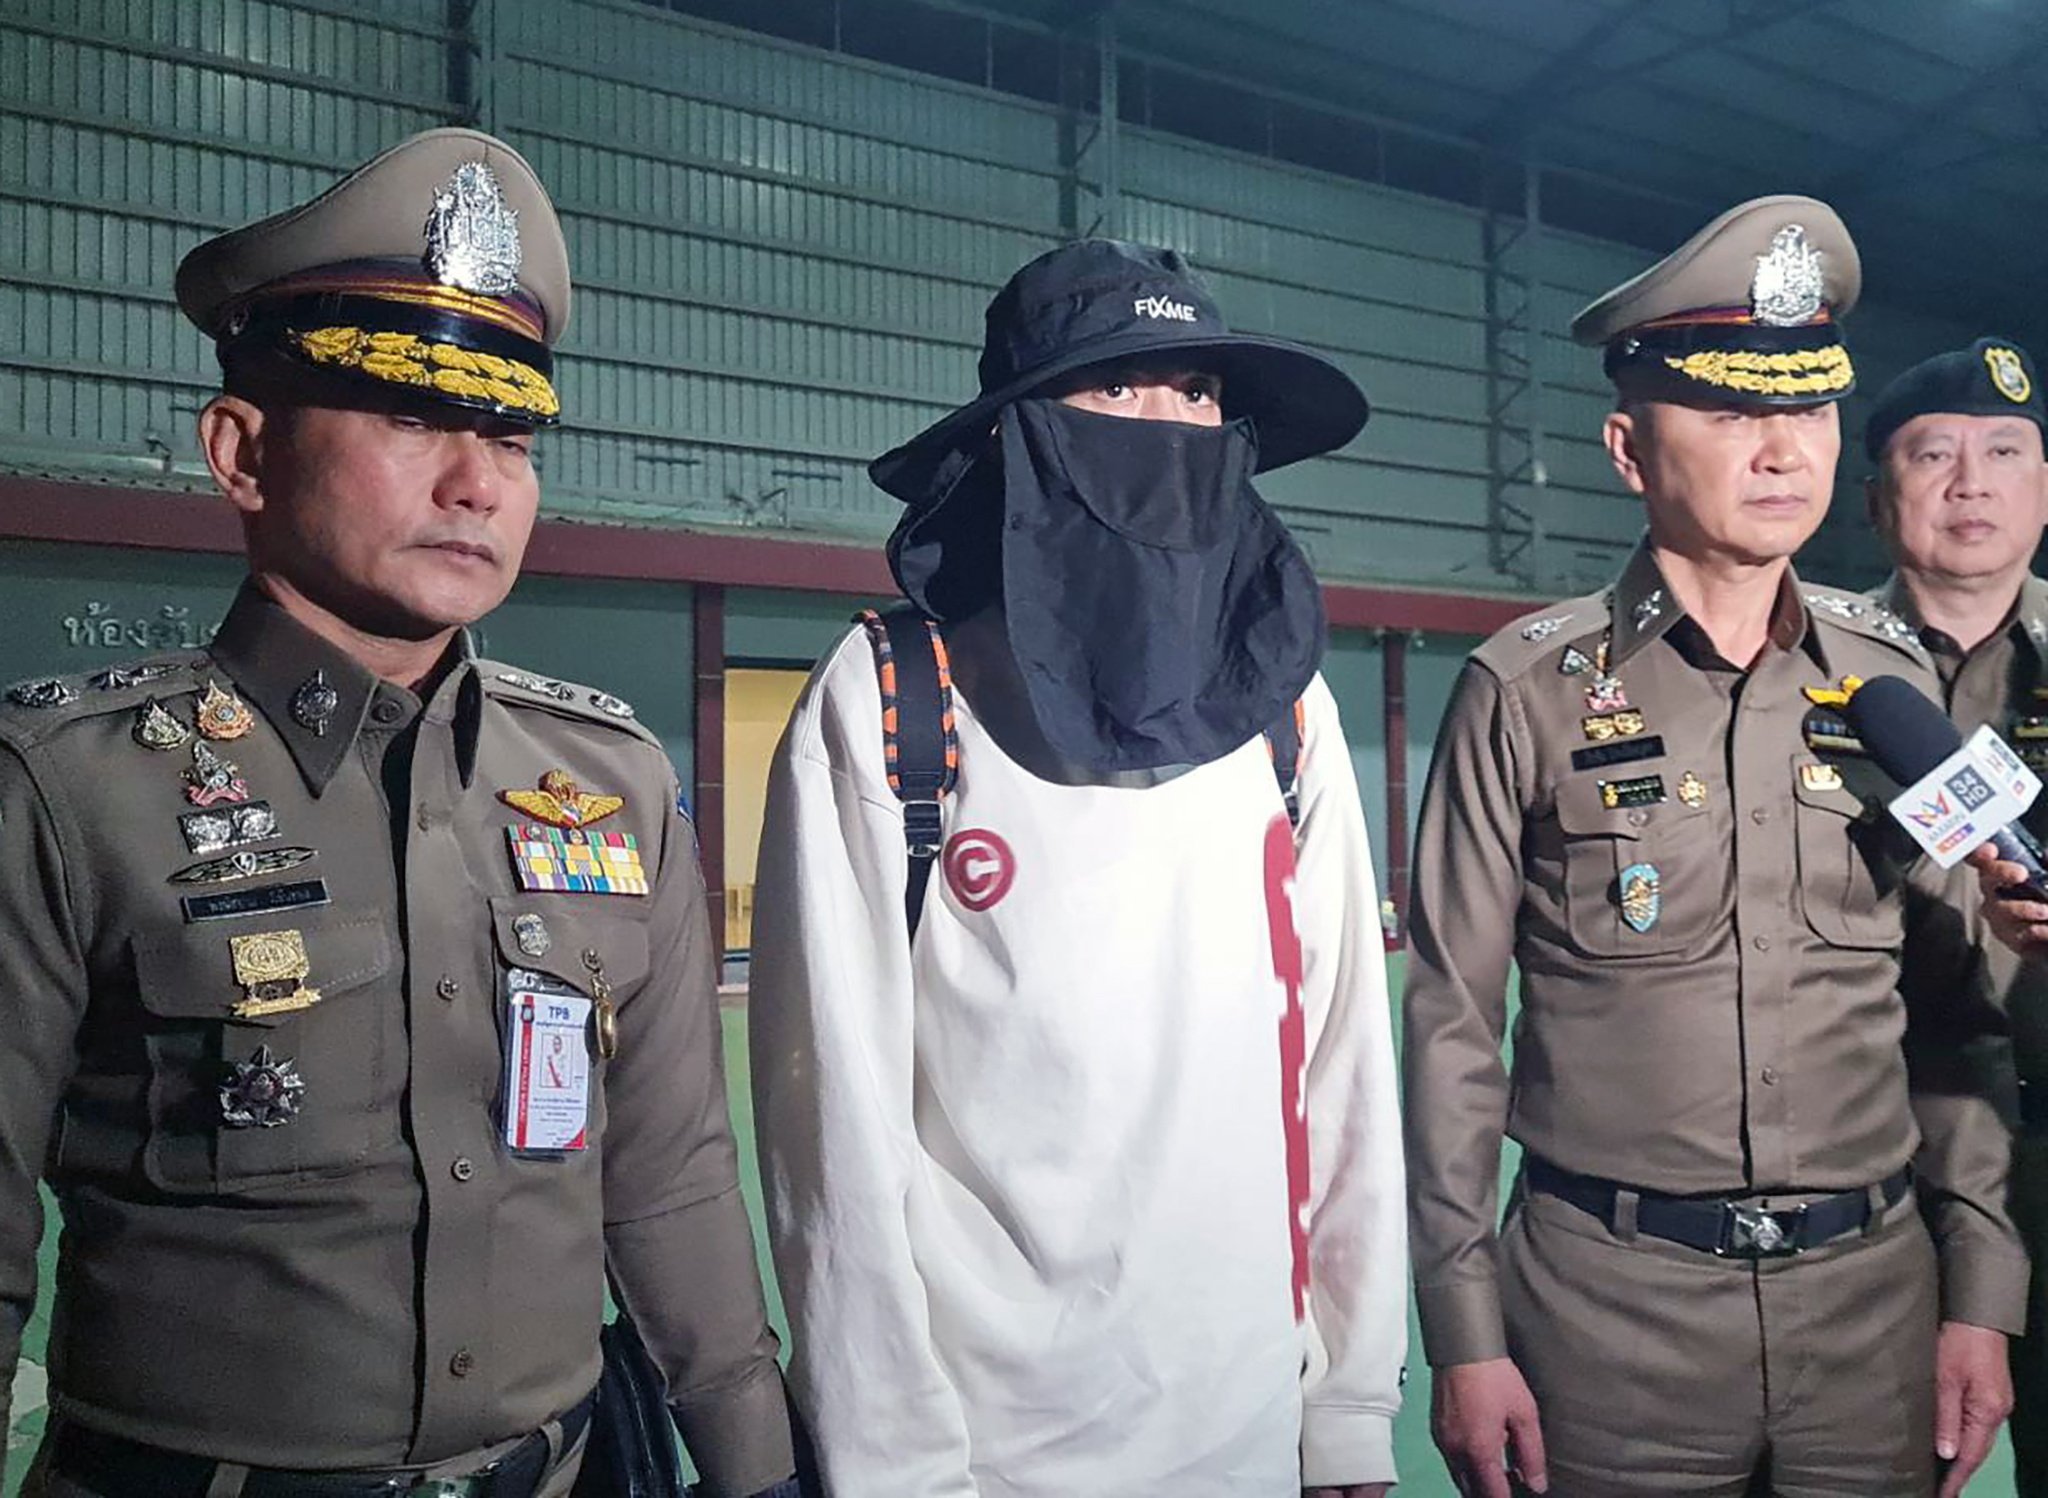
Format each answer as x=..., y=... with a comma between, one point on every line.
x=270, y=656
x=2026, y=621
x=1636, y=623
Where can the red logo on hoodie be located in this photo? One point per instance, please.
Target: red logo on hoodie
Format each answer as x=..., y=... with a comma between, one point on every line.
x=980, y=868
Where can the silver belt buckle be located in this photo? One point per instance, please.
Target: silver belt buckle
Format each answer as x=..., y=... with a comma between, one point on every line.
x=1758, y=1232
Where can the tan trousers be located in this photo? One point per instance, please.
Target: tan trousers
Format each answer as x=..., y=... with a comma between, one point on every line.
x=41, y=1482
x=2030, y=1353
x=1660, y=1370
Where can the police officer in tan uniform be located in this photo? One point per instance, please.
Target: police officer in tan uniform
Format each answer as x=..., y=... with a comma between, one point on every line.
x=1714, y=1275
x=1959, y=492
x=355, y=997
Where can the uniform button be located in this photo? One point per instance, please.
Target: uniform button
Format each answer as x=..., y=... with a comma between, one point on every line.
x=387, y=711
x=1759, y=816
x=425, y=820
x=1761, y=943
x=1770, y=1076
x=1638, y=818
x=448, y=988
x=463, y=1168
x=462, y=1363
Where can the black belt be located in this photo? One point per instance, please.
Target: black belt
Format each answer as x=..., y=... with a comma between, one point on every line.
x=115, y=1465
x=1729, y=1229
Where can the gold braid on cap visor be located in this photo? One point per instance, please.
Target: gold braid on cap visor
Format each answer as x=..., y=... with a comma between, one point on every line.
x=408, y=359
x=1820, y=371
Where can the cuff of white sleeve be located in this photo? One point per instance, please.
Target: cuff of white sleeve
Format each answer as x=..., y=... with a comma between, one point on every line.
x=1345, y=1445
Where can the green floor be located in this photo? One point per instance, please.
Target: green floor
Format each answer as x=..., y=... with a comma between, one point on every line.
x=1424, y=1477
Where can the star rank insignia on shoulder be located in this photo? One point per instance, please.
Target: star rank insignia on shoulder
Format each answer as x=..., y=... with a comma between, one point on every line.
x=45, y=692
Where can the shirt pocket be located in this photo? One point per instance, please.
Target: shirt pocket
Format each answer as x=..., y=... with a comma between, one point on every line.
x=574, y=943
x=578, y=944
x=347, y=1051
x=1852, y=874
x=1607, y=848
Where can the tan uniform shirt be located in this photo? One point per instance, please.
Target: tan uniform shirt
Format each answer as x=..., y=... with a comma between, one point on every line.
x=378, y=1281
x=1740, y=1031
x=2003, y=682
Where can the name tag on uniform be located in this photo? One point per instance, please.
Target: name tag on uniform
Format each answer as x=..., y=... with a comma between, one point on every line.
x=1642, y=790
x=547, y=1065
x=1618, y=752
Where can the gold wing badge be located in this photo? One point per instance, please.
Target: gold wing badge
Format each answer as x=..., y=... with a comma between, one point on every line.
x=1833, y=696
x=560, y=802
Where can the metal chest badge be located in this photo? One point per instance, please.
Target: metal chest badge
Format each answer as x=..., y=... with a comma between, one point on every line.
x=1833, y=696
x=1642, y=896
x=560, y=802
x=531, y=932
x=223, y=715
x=1692, y=790
x=1574, y=662
x=1603, y=726
x=1815, y=776
x=272, y=966
x=314, y=703
x=215, y=831
x=1605, y=694
x=244, y=865
x=209, y=779
x=261, y=1093
x=157, y=728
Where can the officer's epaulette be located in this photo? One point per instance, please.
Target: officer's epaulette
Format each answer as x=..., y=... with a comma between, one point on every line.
x=1863, y=616
x=1545, y=634
x=567, y=698
x=31, y=710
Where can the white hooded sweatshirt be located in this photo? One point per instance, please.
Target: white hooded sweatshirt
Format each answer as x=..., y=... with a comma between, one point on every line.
x=1028, y=1176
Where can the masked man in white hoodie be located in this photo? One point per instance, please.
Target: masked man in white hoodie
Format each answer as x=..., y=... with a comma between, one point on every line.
x=1071, y=1046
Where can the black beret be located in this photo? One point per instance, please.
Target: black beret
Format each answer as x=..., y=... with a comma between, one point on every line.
x=1992, y=377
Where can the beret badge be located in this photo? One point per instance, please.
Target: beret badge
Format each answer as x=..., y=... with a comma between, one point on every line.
x=2008, y=374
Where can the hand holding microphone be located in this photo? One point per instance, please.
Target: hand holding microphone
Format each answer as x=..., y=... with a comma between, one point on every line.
x=1910, y=738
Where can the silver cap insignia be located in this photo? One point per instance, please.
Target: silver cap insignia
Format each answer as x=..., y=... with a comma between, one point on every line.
x=1786, y=289
x=472, y=235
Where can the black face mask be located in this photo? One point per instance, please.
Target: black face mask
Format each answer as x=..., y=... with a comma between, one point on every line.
x=1159, y=612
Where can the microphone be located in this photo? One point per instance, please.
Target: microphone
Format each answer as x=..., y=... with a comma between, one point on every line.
x=1909, y=736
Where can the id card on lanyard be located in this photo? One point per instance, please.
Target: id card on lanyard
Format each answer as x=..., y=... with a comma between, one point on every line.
x=547, y=1065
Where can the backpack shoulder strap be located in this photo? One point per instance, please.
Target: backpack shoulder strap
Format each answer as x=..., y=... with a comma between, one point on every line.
x=920, y=744
x=1283, y=743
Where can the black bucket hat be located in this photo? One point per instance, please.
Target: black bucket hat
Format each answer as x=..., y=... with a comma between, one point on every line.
x=1097, y=301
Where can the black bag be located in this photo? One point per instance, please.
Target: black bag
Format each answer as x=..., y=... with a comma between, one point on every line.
x=631, y=1452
